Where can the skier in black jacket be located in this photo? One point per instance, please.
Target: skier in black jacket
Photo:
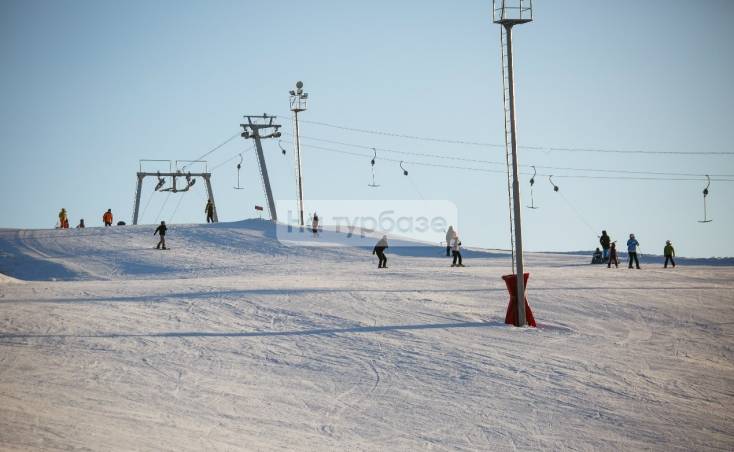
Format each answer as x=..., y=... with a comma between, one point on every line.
x=605, y=241
x=161, y=230
x=380, y=251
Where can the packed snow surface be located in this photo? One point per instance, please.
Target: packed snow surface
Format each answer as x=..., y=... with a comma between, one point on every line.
x=232, y=340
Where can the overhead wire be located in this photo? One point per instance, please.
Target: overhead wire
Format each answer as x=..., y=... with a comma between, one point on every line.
x=487, y=170
x=215, y=148
x=485, y=144
x=499, y=163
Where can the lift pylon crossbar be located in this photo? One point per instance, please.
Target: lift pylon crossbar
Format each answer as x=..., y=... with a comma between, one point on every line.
x=142, y=175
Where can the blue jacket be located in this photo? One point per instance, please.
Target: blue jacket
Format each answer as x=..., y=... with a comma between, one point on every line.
x=632, y=245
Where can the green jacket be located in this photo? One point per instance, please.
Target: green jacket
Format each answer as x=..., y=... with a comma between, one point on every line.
x=668, y=250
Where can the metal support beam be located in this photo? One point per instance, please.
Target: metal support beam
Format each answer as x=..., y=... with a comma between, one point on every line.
x=266, y=179
x=138, y=191
x=517, y=210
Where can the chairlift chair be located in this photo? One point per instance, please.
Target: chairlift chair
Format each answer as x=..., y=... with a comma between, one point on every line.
x=239, y=167
x=373, y=184
x=532, y=182
x=705, y=195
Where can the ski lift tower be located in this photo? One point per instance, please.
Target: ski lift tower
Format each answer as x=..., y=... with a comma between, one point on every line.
x=509, y=13
x=298, y=100
x=252, y=129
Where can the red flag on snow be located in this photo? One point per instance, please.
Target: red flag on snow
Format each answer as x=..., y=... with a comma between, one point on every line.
x=258, y=207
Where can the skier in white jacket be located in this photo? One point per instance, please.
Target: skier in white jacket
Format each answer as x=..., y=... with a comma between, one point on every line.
x=456, y=251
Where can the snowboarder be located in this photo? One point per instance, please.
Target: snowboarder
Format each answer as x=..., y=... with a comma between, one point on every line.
x=604, y=240
x=107, y=218
x=597, y=257
x=632, y=245
x=456, y=251
x=81, y=224
x=613, y=256
x=161, y=230
x=450, y=233
x=669, y=253
x=380, y=251
x=209, y=209
x=63, y=219
x=315, y=225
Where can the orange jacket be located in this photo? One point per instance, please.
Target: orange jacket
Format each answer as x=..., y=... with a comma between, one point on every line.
x=107, y=217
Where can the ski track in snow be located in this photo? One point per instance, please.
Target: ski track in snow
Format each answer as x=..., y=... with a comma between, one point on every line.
x=232, y=341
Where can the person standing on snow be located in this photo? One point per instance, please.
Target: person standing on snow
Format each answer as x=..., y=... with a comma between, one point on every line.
x=669, y=253
x=613, y=256
x=161, y=230
x=315, y=225
x=604, y=240
x=456, y=251
x=209, y=209
x=107, y=218
x=450, y=234
x=632, y=245
x=380, y=251
x=81, y=224
x=63, y=219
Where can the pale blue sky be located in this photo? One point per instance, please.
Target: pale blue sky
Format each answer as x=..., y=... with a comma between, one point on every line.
x=90, y=87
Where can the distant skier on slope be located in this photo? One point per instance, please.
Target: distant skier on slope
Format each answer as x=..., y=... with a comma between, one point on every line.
x=632, y=245
x=63, y=219
x=450, y=233
x=209, y=209
x=315, y=225
x=456, y=251
x=669, y=253
x=613, y=256
x=604, y=241
x=107, y=218
x=597, y=258
x=380, y=251
x=161, y=230
x=81, y=224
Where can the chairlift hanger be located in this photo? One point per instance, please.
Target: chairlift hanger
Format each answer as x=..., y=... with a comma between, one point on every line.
x=405, y=171
x=239, y=167
x=705, y=195
x=555, y=187
x=282, y=149
x=532, y=182
x=374, y=157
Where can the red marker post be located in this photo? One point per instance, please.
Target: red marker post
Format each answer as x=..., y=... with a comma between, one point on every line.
x=511, y=316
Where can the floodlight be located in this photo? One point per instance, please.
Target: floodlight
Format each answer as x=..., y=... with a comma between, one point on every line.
x=299, y=84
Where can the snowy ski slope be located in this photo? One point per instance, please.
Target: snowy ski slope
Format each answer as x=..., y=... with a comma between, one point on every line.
x=233, y=341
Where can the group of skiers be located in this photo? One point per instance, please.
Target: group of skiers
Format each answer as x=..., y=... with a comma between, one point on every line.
x=453, y=247
x=608, y=254
x=64, y=220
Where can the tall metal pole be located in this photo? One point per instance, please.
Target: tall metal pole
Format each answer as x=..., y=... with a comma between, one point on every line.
x=298, y=100
x=299, y=176
x=517, y=210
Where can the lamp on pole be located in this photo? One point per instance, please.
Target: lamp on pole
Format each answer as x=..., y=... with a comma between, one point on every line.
x=298, y=100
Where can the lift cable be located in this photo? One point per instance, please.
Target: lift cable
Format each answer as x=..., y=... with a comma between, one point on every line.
x=498, y=163
x=488, y=170
x=484, y=144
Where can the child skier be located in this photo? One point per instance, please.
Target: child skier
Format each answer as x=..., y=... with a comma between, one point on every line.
x=81, y=223
x=161, y=230
x=456, y=251
x=669, y=253
x=613, y=256
x=380, y=251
